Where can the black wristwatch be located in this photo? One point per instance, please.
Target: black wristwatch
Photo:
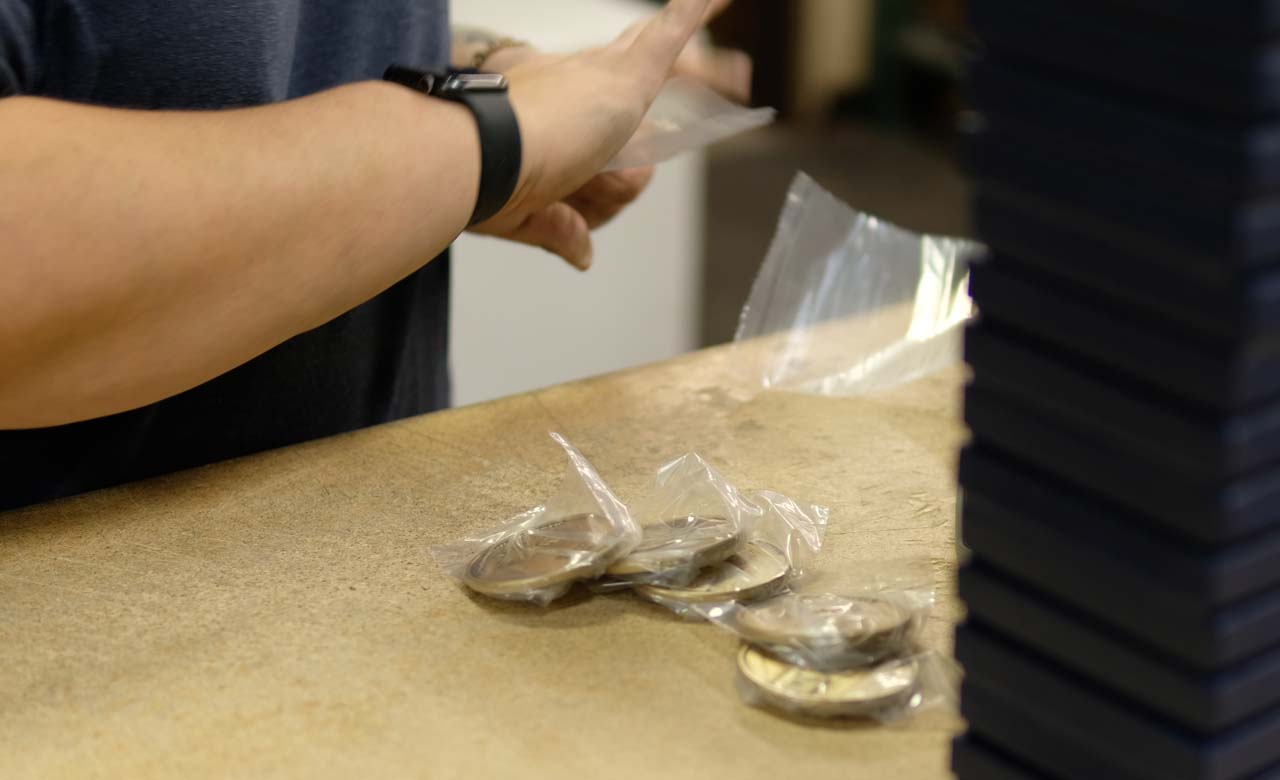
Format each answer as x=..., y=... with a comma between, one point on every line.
x=485, y=94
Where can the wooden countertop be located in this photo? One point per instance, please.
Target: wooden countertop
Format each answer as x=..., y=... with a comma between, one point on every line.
x=280, y=614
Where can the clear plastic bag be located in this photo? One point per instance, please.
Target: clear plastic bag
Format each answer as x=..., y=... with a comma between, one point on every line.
x=861, y=615
x=782, y=539
x=886, y=692
x=686, y=115
x=539, y=554
x=846, y=303
x=691, y=519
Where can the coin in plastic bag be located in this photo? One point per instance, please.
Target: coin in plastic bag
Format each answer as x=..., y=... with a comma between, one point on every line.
x=863, y=691
x=690, y=542
x=546, y=556
x=758, y=571
x=829, y=626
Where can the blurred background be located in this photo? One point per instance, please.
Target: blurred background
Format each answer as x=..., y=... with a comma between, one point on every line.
x=870, y=98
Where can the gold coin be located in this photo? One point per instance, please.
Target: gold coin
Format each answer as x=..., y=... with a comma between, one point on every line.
x=838, y=628
x=690, y=542
x=549, y=555
x=758, y=571
x=866, y=690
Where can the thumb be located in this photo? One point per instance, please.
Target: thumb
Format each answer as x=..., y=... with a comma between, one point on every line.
x=655, y=46
x=561, y=230
x=714, y=9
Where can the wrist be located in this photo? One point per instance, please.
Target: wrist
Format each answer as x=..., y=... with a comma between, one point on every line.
x=485, y=96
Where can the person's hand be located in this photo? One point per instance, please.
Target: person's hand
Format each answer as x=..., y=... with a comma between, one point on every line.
x=727, y=71
x=576, y=112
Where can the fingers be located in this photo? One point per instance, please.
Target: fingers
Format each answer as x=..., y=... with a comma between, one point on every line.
x=564, y=228
x=660, y=41
x=604, y=196
x=629, y=35
x=560, y=230
x=715, y=8
x=727, y=71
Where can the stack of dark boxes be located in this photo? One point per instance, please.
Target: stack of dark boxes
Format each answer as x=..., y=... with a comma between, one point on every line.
x=1122, y=488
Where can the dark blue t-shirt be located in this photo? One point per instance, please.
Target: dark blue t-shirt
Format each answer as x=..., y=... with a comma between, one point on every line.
x=381, y=361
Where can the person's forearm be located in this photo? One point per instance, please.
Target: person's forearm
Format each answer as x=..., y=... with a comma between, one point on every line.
x=142, y=253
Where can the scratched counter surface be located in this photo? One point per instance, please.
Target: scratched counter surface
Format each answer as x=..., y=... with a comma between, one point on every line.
x=280, y=615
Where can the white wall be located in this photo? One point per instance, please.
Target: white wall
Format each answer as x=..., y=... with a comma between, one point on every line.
x=523, y=319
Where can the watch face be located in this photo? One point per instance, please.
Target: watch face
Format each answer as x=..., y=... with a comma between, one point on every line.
x=475, y=82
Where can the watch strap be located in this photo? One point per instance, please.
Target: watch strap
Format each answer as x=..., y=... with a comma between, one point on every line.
x=497, y=127
x=500, y=150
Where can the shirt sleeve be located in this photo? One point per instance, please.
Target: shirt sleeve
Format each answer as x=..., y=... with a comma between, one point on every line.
x=17, y=47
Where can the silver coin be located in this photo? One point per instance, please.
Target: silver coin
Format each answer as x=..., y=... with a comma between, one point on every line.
x=690, y=542
x=863, y=691
x=758, y=571
x=831, y=627
x=544, y=556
